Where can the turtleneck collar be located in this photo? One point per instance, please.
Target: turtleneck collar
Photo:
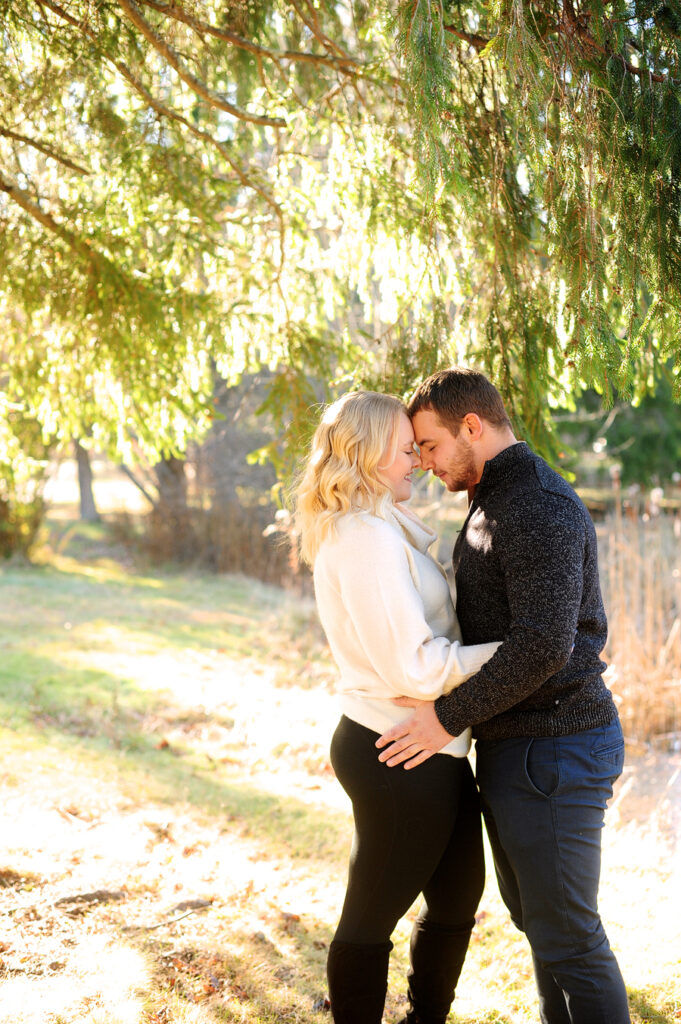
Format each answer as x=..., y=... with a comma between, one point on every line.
x=415, y=530
x=503, y=466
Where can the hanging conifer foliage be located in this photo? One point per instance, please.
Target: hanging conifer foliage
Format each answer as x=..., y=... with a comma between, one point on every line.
x=554, y=131
x=350, y=193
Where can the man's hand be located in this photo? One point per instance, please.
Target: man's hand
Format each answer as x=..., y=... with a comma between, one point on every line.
x=417, y=738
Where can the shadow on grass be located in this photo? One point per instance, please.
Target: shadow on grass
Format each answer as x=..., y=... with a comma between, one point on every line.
x=99, y=718
x=649, y=1012
x=269, y=980
x=254, y=978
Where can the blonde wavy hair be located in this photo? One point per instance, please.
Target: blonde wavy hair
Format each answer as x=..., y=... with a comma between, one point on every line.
x=342, y=471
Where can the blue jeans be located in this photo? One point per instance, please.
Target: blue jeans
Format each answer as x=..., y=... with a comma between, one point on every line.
x=544, y=802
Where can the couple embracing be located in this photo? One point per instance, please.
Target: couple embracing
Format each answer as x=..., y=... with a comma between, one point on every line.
x=516, y=665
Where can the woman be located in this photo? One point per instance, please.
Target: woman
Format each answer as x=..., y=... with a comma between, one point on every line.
x=385, y=606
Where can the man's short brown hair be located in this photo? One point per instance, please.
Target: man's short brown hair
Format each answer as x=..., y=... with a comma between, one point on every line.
x=453, y=393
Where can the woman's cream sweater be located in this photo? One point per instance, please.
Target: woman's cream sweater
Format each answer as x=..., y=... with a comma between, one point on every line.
x=387, y=612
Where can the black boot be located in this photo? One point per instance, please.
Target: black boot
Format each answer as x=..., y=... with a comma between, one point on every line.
x=437, y=954
x=358, y=981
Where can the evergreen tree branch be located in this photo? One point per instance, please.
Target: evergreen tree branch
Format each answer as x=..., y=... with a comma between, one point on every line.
x=342, y=63
x=312, y=22
x=99, y=264
x=571, y=26
x=416, y=5
x=477, y=42
x=196, y=85
x=45, y=148
x=199, y=133
x=164, y=111
x=24, y=199
x=640, y=72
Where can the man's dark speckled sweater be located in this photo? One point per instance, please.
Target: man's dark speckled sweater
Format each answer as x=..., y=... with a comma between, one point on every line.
x=526, y=573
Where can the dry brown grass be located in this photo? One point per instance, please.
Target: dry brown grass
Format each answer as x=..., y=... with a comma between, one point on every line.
x=641, y=574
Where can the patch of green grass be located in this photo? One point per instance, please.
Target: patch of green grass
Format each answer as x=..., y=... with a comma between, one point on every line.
x=235, y=615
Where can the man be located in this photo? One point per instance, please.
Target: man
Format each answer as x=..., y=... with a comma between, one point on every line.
x=548, y=741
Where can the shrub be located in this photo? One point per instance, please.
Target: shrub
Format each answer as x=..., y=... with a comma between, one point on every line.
x=23, y=473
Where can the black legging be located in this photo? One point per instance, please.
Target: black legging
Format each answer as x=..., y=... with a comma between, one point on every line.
x=416, y=831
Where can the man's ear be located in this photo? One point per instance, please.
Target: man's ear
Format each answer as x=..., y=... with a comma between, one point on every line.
x=472, y=426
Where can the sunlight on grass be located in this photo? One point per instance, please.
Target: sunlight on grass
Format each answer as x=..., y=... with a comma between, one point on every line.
x=641, y=891
x=104, y=570
x=99, y=983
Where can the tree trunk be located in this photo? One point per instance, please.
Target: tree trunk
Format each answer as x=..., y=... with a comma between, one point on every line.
x=173, y=515
x=172, y=484
x=88, y=509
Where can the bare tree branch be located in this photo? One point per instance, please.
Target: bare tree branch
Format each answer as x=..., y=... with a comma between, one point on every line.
x=477, y=42
x=313, y=24
x=169, y=54
x=138, y=484
x=327, y=40
x=202, y=27
x=46, y=148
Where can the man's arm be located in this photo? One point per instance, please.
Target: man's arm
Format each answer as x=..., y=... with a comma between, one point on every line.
x=543, y=571
x=543, y=575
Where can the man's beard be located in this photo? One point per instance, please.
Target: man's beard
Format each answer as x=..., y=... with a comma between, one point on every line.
x=461, y=475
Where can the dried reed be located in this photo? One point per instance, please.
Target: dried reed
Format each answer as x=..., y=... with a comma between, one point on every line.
x=640, y=559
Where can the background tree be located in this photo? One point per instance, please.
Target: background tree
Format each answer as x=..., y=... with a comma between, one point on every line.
x=88, y=505
x=642, y=441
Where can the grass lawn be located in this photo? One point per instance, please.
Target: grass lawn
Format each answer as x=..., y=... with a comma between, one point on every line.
x=173, y=839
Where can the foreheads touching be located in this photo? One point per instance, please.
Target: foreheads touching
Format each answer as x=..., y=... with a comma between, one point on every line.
x=459, y=422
